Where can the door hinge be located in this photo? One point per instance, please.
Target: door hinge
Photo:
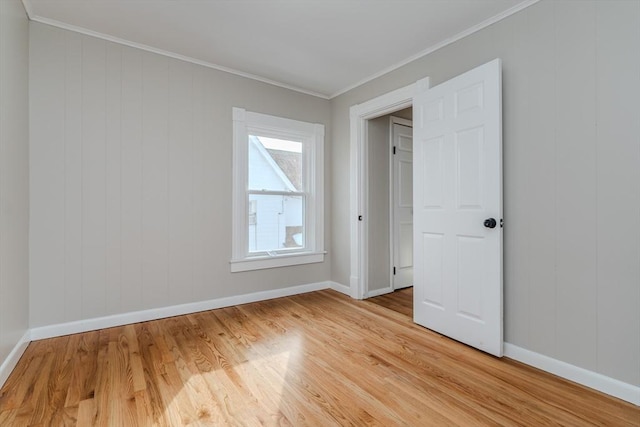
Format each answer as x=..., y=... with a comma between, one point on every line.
x=394, y=150
x=394, y=271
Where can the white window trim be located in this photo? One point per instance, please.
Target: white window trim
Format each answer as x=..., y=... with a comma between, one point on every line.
x=243, y=122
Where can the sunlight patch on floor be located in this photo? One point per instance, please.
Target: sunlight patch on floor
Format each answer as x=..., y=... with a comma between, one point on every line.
x=192, y=404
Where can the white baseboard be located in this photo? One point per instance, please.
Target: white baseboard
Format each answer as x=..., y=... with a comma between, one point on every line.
x=175, y=310
x=353, y=288
x=379, y=292
x=12, y=359
x=340, y=288
x=610, y=386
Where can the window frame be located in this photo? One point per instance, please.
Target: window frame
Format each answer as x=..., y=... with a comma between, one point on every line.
x=247, y=123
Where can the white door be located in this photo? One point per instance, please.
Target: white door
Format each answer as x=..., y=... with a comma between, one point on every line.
x=457, y=201
x=402, y=203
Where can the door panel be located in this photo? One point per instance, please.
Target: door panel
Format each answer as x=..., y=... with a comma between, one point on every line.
x=469, y=158
x=457, y=185
x=405, y=255
x=431, y=156
x=431, y=287
x=405, y=175
x=470, y=267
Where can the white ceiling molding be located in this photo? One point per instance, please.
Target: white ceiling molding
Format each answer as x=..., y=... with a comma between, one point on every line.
x=300, y=77
x=27, y=8
x=151, y=49
x=431, y=49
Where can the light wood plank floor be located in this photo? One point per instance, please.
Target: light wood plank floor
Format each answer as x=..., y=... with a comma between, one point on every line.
x=400, y=301
x=317, y=359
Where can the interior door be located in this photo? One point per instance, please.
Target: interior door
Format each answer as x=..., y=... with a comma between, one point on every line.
x=402, y=202
x=458, y=208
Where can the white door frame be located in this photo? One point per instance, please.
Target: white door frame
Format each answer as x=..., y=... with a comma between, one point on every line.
x=392, y=178
x=382, y=105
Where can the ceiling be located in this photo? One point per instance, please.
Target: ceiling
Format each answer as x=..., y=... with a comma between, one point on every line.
x=320, y=47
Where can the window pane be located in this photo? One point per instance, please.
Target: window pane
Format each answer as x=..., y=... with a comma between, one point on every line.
x=275, y=222
x=275, y=164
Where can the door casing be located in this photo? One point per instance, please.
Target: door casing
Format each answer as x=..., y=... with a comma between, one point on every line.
x=391, y=102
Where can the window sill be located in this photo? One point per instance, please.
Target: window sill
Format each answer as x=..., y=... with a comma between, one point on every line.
x=285, y=260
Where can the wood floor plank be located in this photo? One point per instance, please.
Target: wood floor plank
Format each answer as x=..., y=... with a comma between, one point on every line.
x=400, y=301
x=214, y=355
x=320, y=360
x=194, y=385
x=276, y=362
x=8, y=416
x=82, y=383
x=317, y=359
x=19, y=386
x=365, y=356
x=58, y=414
x=172, y=407
x=121, y=399
x=44, y=385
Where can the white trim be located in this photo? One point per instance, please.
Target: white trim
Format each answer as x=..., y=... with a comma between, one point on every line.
x=505, y=14
x=517, y=8
x=28, y=8
x=311, y=135
x=354, y=281
x=392, y=179
x=608, y=385
x=176, y=310
x=378, y=292
x=239, y=186
x=400, y=121
x=278, y=260
x=91, y=33
x=14, y=356
x=339, y=287
x=359, y=114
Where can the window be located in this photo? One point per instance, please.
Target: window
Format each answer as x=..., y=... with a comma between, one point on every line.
x=278, y=201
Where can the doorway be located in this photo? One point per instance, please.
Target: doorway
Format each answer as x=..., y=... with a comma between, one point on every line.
x=401, y=199
x=361, y=228
x=389, y=223
x=457, y=195
x=457, y=182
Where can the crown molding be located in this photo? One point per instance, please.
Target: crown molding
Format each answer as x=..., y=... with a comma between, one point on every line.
x=27, y=8
x=109, y=38
x=446, y=42
x=517, y=8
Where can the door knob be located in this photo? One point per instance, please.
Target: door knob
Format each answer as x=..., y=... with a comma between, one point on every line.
x=490, y=223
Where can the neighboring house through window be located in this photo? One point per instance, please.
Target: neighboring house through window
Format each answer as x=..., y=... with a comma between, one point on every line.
x=277, y=191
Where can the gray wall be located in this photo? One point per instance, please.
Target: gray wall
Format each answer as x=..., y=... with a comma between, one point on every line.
x=14, y=191
x=131, y=179
x=130, y=170
x=571, y=84
x=378, y=210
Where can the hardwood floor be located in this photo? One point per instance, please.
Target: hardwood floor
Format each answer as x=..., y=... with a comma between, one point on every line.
x=400, y=301
x=317, y=359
